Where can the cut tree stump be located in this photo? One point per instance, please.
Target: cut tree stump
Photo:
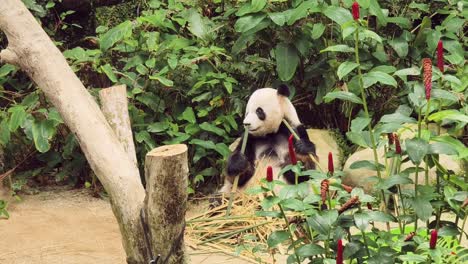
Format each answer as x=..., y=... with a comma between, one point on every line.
x=166, y=171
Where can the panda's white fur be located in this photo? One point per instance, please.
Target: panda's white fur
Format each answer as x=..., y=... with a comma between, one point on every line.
x=264, y=134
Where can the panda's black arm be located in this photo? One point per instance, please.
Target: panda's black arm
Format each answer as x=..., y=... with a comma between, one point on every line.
x=241, y=164
x=303, y=145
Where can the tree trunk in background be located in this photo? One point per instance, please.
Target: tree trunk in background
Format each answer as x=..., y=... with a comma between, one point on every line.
x=114, y=106
x=166, y=172
x=30, y=48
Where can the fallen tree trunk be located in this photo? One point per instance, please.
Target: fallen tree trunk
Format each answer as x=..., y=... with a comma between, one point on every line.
x=31, y=49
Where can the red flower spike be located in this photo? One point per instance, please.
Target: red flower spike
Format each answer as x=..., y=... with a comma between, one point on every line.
x=427, y=74
x=397, y=145
x=433, y=241
x=410, y=236
x=331, y=168
x=391, y=139
x=369, y=206
x=355, y=10
x=440, y=56
x=292, y=153
x=324, y=185
x=339, y=252
x=269, y=176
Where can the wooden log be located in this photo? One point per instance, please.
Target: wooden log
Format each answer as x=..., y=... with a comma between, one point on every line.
x=166, y=172
x=114, y=106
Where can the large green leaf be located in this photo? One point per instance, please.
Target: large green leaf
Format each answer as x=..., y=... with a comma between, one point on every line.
x=287, y=60
x=6, y=69
x=400, y=46
x=197, y=25
x=4, y=133
x=422, y=207
x=317, y=30
x=338, y=48
x=366, y=164
x=323, y=222
x=362, y=220
x=347, y=96
x=116, y=34
x=309, y=250
x=378, y=216
x=345, y=68
x=397, y=117
x=414, y=71
x=450, y=114
x=413, y=258
x=212, y=128
x=42, y=131
x=18, y=116
x=394, y=180
x=189, y=115
x=359, y=123
x=376, y=10
x=338, y=14
x=302, y=11
x=248, y=22
x=417, y=149
x=277, y=237
x=163, y=80
x=357, y=138
x=107, y=69
x=373, y=77
x=252, y=7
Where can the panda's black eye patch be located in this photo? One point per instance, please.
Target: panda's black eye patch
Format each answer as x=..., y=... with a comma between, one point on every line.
x=261, y=115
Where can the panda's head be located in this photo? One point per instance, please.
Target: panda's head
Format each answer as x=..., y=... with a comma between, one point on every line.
x=266, y=109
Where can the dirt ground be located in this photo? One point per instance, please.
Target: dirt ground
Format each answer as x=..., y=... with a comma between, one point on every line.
x=67, y=227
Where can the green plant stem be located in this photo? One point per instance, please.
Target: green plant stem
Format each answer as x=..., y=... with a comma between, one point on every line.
x=236, y=179
x=291, y=234
x=364, y=238
x=366, y=111
x=462, y=228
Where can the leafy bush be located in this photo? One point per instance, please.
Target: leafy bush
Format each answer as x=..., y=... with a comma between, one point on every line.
x=189, y=66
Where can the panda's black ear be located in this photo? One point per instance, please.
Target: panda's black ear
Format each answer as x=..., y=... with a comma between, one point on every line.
x=283, y=90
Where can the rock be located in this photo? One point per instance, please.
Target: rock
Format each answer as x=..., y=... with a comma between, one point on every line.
x=359, y=177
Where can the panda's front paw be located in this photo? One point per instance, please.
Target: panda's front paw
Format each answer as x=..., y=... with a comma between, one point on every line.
x=304, y=147
x=237, y=164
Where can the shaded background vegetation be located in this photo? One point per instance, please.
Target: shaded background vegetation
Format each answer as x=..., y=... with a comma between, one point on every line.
x=190, y=65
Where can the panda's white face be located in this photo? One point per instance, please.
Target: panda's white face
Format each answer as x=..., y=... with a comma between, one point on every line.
x=264, y=112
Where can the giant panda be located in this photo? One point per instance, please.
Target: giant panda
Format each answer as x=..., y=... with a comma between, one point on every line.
x=268, y=140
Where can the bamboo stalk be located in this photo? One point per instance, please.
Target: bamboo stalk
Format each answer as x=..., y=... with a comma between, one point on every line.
x=236, y=179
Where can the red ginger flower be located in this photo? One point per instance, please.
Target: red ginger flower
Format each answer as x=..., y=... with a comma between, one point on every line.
x=339, y=252
x=397, y=145
x=427, y=72
x=331, y=168
x=355, y=10
x=391, y=138
x=347, y=188
x=292, y=153
x=269, y=176
x=410, y=236
x=433, y=241
x=324, y=185
x=440, y=56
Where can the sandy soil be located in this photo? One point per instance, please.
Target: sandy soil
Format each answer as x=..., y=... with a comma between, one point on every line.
x=67, y=227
